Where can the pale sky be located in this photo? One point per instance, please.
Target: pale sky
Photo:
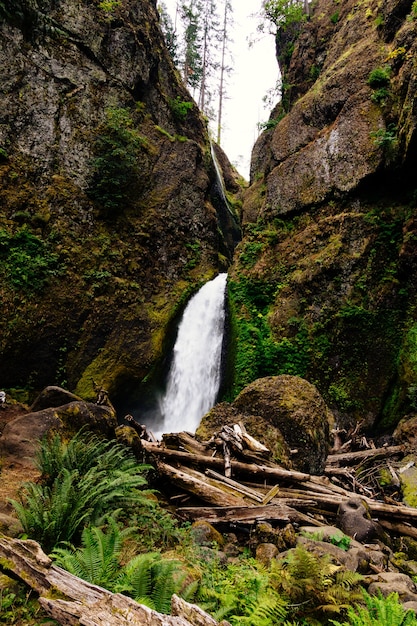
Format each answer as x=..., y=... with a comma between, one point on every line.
x=255, y=71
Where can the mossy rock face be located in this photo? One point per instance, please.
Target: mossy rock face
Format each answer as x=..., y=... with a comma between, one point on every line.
x=93, y=295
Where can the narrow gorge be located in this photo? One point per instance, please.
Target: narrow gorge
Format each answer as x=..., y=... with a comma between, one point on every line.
x=262, y=333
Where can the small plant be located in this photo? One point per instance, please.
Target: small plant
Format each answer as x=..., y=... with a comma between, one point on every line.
x=380, y=96
x=379, y=77
x=268, y=125
x=385, y=137
x=335, y=17
x=180, y=108
x=27, y=261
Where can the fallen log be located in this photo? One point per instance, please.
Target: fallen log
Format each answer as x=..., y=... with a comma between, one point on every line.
x=245, y=514
x=196, y=483
x=81, y=602
x=347, y=458
x=246, y=491
x=251, y=469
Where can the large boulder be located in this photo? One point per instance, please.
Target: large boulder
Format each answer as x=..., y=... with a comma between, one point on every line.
x=287, y=414
x=21, y=436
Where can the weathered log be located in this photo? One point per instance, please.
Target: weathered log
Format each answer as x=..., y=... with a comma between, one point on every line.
x=246, y=491
x=196, y=483
x=251, y=469
x=246, y=514
x=348, y=458
x=249, y=441
x=399, y=529
x=185, y=441
x=82, y=602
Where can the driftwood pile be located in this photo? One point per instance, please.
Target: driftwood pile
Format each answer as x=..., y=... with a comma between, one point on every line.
x=230, y=479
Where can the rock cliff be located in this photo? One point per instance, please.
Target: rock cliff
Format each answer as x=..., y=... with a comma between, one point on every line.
x=107, y=221
x=323, y=283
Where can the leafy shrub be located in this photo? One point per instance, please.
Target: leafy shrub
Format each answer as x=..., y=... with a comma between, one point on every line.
x=335, y=17
x=180, y=108
x=380, y=96
x=81, y=482
x=379, y=77
x=385, y=137
x=27, y=261
x=116, y=166
x=284, y=13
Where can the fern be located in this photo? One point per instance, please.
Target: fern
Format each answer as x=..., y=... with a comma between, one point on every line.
x=379, y=611
x=167, y=579
x=97, y=561
x=69, y=497
x=269, y=610
x=313, y=585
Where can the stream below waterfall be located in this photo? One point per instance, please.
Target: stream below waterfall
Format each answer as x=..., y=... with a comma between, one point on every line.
x=195, y=374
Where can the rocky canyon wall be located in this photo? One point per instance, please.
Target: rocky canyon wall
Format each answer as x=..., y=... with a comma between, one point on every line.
x=323, y=283
x=106, y=220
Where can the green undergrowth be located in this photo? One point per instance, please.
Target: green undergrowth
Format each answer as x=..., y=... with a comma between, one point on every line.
x=297, y=589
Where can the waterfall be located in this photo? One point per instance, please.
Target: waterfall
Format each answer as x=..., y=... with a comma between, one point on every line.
x=220, y=181
x=194, y=377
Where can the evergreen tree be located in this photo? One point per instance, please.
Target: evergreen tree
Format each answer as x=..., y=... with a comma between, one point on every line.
x=224, y=67
x=190, y=13
x=169, y=32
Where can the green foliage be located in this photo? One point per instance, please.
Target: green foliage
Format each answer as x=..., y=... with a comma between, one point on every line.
x=313, y=585
x=414, y=9
x=21, y=607
x=148, y=578
x=168, y=29
x=108, y=6
x=385, y=137
x=284, y=13
x=338, y=539
x=27, y=261
x=335, y=17
x=380, y=96
x=377, y=611
x=379, y=77
x=241, y=593
x=180, y=108
x=97, y=561
x=256, y=352
x=250, y=253
x=116, y=166
x=81, y=482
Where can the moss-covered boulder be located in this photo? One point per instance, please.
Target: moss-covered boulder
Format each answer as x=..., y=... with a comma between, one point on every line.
x=286, y=413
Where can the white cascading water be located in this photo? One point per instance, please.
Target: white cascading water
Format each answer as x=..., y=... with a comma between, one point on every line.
x=194, y=377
